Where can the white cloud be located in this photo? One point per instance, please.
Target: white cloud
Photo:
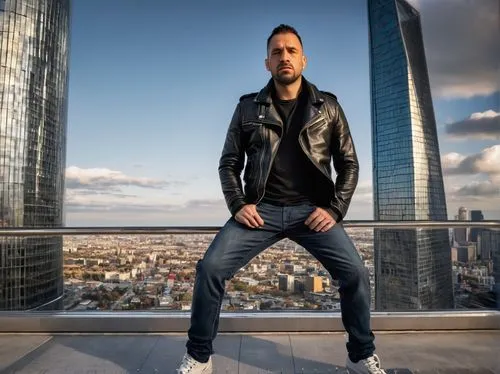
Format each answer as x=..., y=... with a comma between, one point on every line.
x=488, y=114
x=361, y=207
x=91, y=207
x=487, y=162
x=364, y=193
x=104, y=179
x=451, y=161
x=120, y=203
x=96, y=191
x=473, y=180
x=140, y=210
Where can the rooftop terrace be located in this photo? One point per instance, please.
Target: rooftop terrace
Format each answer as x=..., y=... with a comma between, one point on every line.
x=408, y=352
x=101, y=342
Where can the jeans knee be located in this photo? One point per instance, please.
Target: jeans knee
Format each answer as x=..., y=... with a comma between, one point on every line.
x=356, y=276
x=209, y=268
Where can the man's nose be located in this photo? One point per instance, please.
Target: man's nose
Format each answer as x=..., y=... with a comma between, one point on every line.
x=285, y=56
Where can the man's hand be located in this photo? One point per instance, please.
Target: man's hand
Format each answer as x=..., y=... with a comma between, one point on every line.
x=248, y=216
x=320, y=220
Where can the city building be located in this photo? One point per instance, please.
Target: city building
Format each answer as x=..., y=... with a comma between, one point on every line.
x=413, y=267
x=490, y=248
x=488, y=243
x=286, y=282
x=475, y=216
x=314, y=284
x=298, y=286
x=34, y=51
x=460, y=234
x=495, y=254
x=464, y=253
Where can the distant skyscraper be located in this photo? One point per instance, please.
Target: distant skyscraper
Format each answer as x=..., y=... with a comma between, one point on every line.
x=34, y=48
x=413, y=267
x=475, y=216
x=494, y=243
x=460, y=233
x=286, y=282
x=489, y=242
x=462, y=214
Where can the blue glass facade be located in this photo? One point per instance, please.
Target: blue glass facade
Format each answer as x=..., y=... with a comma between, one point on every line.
x=475, y=216
x=34, y=48
x=413, y=267
x=490, y=249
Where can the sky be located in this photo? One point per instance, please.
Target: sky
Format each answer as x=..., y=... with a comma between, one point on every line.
x=153, y=86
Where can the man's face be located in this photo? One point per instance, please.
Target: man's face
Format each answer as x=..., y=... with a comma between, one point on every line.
x=285, y=59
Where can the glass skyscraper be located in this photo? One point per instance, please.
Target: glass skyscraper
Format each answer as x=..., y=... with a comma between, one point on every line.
x=413, y=267
x=475, y=216
x=34, y=50
x=493, y=239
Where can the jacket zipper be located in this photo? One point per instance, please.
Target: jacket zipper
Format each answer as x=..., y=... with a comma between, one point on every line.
x=307, y=153
x=273, y=155
x=261, y=161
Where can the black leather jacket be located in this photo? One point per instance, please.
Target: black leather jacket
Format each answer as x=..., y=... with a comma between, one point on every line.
x=256, y=130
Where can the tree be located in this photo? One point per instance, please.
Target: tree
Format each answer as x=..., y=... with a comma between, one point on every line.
x=240, y=286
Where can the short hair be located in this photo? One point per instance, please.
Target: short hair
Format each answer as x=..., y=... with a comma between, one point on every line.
x=282, y=29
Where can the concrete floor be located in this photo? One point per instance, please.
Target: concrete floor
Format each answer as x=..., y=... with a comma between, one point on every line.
x=429, y=352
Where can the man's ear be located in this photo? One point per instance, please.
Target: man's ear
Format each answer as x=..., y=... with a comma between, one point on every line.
x=266, y=61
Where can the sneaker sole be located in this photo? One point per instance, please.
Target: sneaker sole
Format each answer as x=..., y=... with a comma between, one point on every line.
x=352, y=371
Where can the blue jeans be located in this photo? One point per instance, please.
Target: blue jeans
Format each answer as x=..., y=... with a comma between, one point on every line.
x=236, y=244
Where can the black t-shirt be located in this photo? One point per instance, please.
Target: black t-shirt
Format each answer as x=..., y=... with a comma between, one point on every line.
x=293, y=177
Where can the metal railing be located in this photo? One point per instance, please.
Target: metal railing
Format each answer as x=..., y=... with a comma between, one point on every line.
x=281, y=321
x=192, y=230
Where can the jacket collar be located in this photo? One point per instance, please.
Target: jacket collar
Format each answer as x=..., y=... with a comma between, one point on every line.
x=264, y=96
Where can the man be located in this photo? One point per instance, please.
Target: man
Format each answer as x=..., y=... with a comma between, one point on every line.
x=289, y=132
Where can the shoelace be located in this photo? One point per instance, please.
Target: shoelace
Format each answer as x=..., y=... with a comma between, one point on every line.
x=373, y=364
x=187, y=364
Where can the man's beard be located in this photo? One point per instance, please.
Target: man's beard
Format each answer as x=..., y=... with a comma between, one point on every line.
x=286, y=79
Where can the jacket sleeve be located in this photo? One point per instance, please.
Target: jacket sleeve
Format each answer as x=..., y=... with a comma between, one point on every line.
x=231, y=164
x=346, y=165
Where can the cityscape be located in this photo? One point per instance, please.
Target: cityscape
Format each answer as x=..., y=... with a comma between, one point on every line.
x=410, y=269
x=157, y=273
x=113, y=116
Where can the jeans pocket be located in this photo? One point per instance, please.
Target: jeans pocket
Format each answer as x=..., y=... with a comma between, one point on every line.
x=261, y=207
x=308, y=208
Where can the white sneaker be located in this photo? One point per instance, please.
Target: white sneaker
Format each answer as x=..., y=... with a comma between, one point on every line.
x=190, y=366
x=370, y=365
